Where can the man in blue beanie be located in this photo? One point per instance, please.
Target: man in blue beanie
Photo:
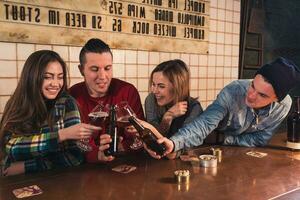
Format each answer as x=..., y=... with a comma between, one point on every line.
x=247, y=112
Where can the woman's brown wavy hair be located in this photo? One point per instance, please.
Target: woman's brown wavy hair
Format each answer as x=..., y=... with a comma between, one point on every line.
x=26, y=110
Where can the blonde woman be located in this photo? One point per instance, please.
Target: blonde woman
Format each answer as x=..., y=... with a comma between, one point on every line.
x=169, y=105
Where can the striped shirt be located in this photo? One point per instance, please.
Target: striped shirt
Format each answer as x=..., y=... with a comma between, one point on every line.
x=41, y=150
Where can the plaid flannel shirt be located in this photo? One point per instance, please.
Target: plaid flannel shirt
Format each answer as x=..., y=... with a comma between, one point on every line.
x=42, y=151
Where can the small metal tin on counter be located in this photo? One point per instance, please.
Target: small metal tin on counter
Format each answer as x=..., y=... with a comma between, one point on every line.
x=218, y=153
x=182, y=176
x=183, y=187
x=208, y=161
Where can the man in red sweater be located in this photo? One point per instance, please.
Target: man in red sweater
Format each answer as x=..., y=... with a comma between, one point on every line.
x=99, y=87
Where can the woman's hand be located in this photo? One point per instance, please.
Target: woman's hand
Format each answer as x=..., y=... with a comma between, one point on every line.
x=77, y=132
x=14, y=169
x=178, y=109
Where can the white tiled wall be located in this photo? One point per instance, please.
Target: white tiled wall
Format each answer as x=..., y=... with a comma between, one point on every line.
x=209, y=72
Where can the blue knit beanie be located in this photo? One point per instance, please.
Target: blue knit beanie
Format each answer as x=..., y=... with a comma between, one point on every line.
x=283, y=75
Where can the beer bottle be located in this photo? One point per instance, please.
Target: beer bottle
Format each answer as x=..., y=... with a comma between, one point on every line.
x=148, y=137
x=113, y=132
x=293, y=124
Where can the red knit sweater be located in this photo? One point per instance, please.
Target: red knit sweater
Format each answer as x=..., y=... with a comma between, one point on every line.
x=118, y=91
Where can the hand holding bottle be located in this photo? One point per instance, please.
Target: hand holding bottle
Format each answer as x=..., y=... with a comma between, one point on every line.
x=151, y=127
x=105, y=141
x=169, y=146
x=161, y=140
x=148, y=137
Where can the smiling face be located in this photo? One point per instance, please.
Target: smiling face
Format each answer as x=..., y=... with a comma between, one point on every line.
x=162, y=88
x=53, y=80
x=260, y=93
x=97, y=72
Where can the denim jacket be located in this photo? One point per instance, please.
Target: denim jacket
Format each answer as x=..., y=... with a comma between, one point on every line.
x=230, y=115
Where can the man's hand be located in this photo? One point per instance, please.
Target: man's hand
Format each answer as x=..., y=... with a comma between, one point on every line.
x=161, y=140
x=169, y=148
x=105, y=140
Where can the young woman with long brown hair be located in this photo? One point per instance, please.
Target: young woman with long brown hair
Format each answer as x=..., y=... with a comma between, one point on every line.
x=41, y=121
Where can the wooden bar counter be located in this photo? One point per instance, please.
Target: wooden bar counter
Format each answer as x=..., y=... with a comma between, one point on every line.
x=237, y=176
